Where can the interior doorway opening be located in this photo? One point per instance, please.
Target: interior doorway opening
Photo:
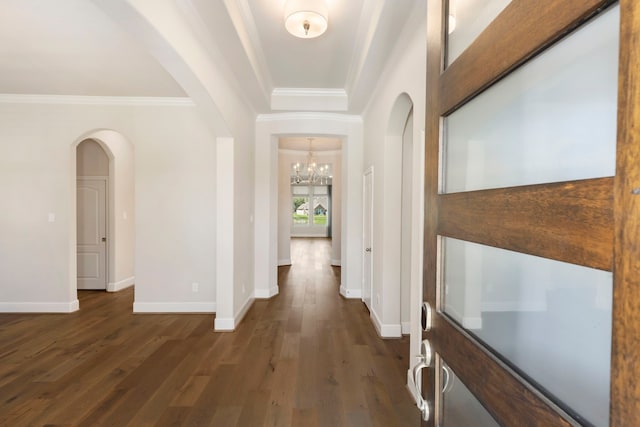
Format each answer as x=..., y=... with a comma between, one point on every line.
x=92, y=187
x=309, y=194
x=102, y=241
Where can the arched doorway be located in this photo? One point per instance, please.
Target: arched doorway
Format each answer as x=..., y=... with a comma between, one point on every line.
x=92, y=206
x=107, y=156
x=397, y=187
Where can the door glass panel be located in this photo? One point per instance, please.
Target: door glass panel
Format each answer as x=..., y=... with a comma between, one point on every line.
x=460, y=407
x=553, y=119
x=467, y=19
x=549, y=319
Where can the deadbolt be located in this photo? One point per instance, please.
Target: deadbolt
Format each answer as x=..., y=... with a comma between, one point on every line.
x=426, y=316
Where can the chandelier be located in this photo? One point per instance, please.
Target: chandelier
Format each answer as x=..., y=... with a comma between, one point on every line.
x=311, y=172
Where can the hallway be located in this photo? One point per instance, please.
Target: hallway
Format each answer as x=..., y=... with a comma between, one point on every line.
x=305, y=357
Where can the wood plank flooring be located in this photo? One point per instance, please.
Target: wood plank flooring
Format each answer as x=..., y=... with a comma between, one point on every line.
x=306, y=357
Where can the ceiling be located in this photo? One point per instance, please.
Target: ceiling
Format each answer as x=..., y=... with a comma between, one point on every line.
x=72, y=47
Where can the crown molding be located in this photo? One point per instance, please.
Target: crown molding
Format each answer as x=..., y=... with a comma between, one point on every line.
x=296, y=99
x=317, y=153
x=96, y=100
x=369, y=19
x=275, y=117
x=246, y=28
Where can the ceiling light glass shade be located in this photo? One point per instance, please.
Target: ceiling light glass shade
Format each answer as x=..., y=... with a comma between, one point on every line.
x=306, y=18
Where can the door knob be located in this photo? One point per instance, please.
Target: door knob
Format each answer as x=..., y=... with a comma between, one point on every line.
x=104, y=239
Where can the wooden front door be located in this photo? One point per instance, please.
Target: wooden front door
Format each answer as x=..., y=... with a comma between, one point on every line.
x=532, y=213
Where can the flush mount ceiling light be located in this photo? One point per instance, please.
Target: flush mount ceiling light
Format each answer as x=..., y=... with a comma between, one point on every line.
x=306, y=18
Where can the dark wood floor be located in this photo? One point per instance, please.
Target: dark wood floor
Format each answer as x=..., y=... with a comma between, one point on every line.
x=306, y=357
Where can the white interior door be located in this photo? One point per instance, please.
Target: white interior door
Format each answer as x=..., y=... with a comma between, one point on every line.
x=92, y=233
x=367, y=238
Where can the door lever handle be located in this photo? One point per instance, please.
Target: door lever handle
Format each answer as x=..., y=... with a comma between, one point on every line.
x=424, y=361
x=367, y=250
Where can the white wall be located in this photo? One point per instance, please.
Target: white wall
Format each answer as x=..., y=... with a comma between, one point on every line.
x=405, y=74
x=406, y=225
x=285, y=159
x=174, y=202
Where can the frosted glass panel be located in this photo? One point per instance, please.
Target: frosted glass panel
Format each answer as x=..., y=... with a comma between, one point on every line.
x=554, y=119
x=460, y=407
x=471, y=17
x=551, y=320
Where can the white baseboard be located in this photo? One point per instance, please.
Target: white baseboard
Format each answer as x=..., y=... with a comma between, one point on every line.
x=174, y=307
x=468, y=322
x=350, y=293
x=406, y=328
x=39, y=307
x=228, y=324
x=282, y=262
x=266, y=293
x=120, y=285
x=386, y=330
x=336, y=262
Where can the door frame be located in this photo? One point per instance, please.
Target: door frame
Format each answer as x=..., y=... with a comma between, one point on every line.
x=367, y=172
x=610, y=242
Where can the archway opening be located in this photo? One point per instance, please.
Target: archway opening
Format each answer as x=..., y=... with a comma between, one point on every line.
x=103, y=182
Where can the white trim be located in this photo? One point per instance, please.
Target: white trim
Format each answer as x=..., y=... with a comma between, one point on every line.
x=406, y=328
x=295, y=99
x=472, y=323
x=468, y=322
x=174, y=307
x=301, y=91
x=96, y=100
x=266, y=293
x=224, y=325
x=316, y=153
x=92, y=178
x=282, y=262
x=366, y=30
x=336, y=262
x=386, y=330
x=367, y=171
x=350, y=293
x=39, y=307
x=309, y=235
x=120, y=285
x=227, y=324
x=306, y=115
